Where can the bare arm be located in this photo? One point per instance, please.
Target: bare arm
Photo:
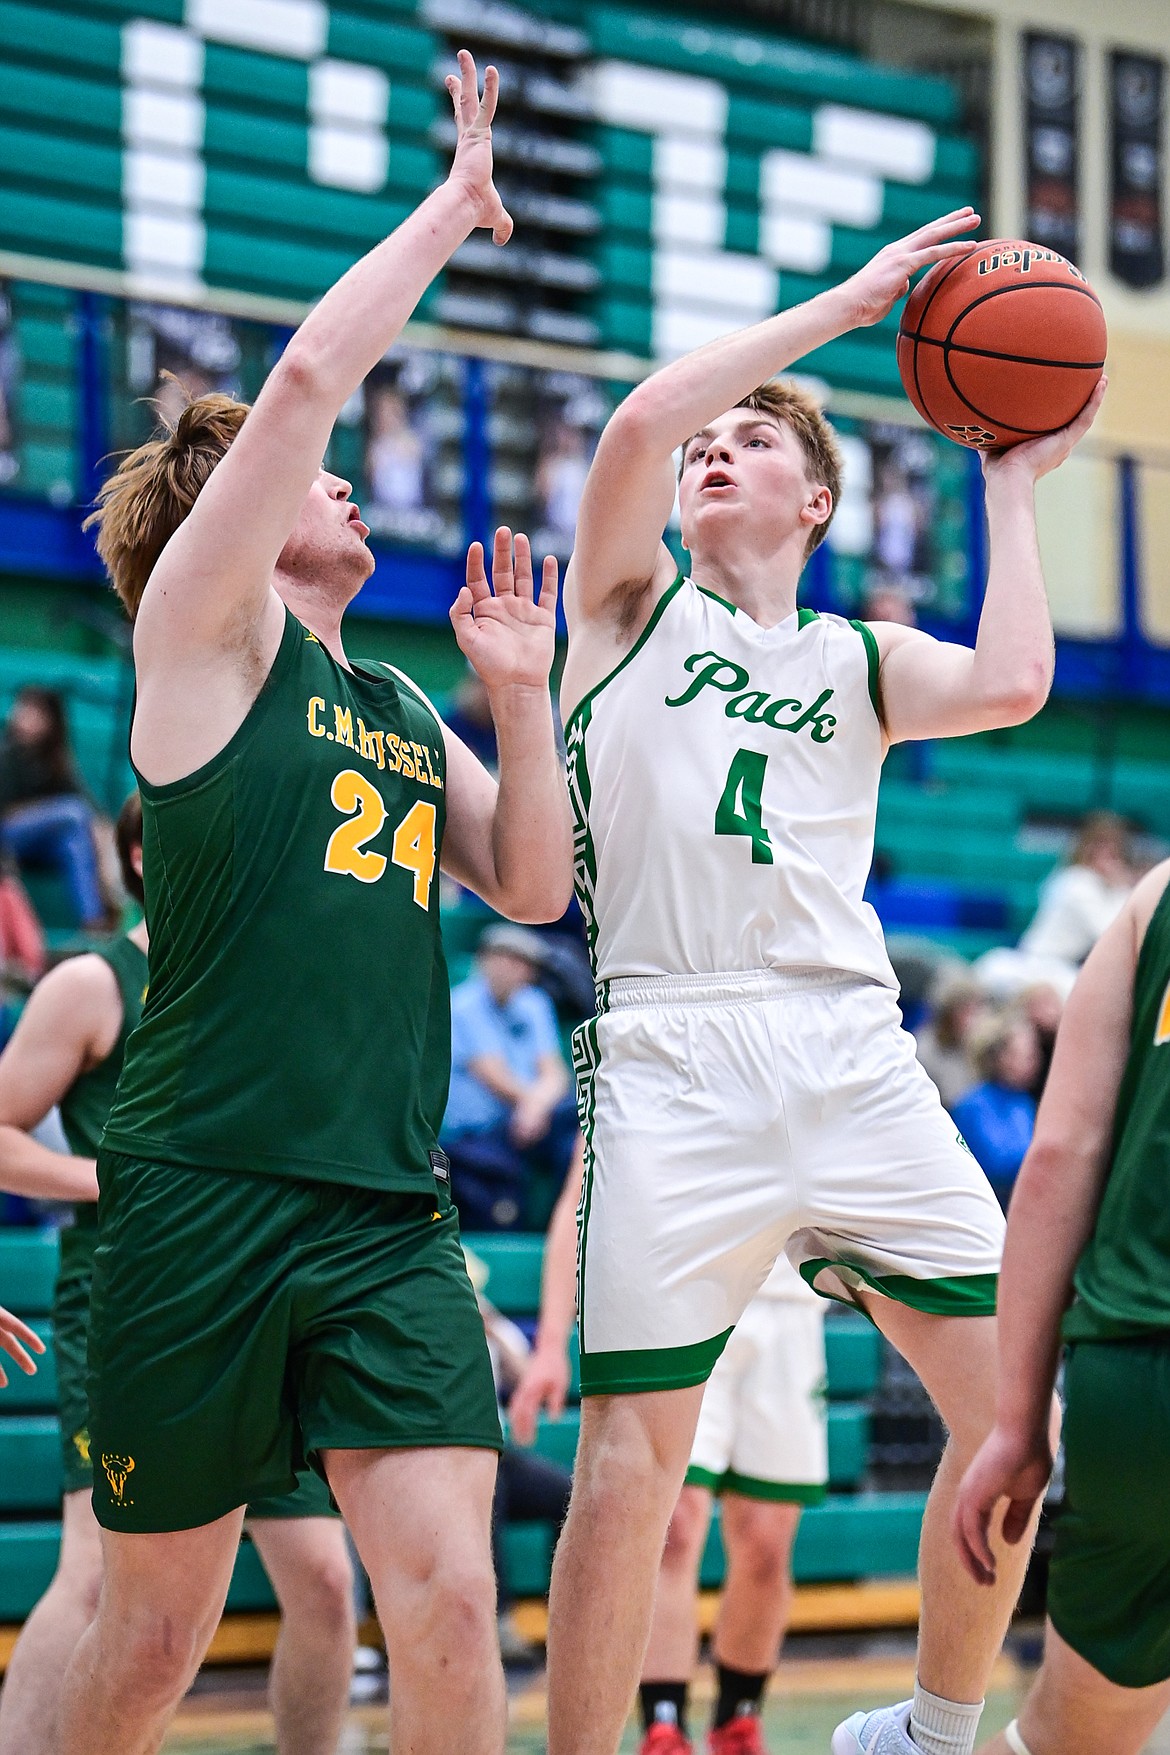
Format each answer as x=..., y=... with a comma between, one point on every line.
x=545, y=1380
x=930, y=688
x=620, y=565
x=510, y=840
x=209, y=617
x=1053, y=1212
x=69, y=1024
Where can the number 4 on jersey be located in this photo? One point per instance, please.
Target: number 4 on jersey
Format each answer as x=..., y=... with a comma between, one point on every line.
x=739, y=808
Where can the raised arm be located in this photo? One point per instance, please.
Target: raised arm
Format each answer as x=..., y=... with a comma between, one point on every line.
x=1053, y=1211
x=620, y=564
x=931, y=688
x=70, y=1023
x=211, y=586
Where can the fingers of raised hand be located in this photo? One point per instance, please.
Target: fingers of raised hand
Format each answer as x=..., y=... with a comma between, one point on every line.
x=523, y=565
x=463, y=88
x=477, y=583
x=503, y=578
x=491, y=95
x=502, y=229
x=960, y=219
x=550, y=574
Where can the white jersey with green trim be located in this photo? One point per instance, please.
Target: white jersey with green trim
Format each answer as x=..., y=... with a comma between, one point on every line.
x=724, y=780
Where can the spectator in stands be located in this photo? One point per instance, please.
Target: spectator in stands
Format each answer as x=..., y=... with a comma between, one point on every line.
x=957, y=1007
x=45, y=817
x=1043, y=1005
x=1086, y=895
x=509, y=1116
x=997, y=1118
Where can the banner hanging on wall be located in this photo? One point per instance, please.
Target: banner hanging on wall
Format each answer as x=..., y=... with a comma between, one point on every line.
x=1136, y=89
x=1052, y=141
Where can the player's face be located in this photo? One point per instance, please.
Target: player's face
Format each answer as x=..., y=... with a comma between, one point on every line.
x=747, y=468
x=327, y=543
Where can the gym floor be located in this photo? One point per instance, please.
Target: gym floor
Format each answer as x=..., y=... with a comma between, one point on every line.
x=813, y=1691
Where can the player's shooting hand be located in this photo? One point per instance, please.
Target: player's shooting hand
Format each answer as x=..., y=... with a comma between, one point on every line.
x=1037, y=457
x=472, y=165
x=543, y=1387
x=12, y=1333
x=506, y=629
x=874, y=290
x=1006, y=1467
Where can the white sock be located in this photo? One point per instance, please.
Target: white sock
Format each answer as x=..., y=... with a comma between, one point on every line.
x=1014, y=1740
x=943, y=1727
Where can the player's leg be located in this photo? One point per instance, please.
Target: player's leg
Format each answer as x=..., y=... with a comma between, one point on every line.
x=631, y=1461
x=161, y=1600
x=1072, y=1709
x=962, y=1624
x=673, y=1648
x=758, y=1536
x=308, y=1682
x=421, y=1520
x=30, y=1701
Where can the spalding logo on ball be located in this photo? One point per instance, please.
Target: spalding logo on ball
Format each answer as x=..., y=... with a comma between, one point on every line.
x=1002, y=345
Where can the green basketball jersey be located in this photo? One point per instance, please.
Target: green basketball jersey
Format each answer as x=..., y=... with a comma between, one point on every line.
x=86, y=1104
x=1123, y=1278
x=298, y=1019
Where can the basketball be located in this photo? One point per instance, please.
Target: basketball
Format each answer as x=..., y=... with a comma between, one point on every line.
x=1002, y=345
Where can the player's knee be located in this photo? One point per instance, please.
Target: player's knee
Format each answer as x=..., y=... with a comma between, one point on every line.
x=324, y=1593
x=157, y=1655
x=462, y=1608
x=761, y=1543
x=684, y=1536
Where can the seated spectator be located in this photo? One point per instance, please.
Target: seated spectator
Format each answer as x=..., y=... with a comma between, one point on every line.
x=943, y=1042
x=509, y=1115
x=1042, y=1005
x=45, y=818
x=997, y=1118
x=1077, y=903
x=1086, y=895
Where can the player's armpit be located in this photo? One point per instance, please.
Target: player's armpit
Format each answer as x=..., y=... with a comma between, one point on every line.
x=624, y=509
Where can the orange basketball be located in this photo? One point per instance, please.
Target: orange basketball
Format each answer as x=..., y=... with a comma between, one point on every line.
x=1002, y=345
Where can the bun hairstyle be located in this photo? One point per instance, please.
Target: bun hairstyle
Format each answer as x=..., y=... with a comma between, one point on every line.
x=142, y=504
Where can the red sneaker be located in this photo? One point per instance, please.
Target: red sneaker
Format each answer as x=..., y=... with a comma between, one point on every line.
x=664, y=1739
x=739, y=1736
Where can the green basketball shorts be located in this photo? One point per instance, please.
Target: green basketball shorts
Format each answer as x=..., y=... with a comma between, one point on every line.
x=70, y=1331
x=241, y=1325
x=1109, y=1580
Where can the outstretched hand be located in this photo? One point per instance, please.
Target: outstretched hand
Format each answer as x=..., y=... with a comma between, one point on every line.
x=508, y=633
x=1004, y=1468
x=12, y=1333
x=1039, y=457
x=472, y=165
x=875, y=289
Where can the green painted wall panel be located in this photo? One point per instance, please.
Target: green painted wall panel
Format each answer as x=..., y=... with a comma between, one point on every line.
x=398, y=48
x=45, y=222
x=774, y=63
x=45, y=344
x=65, y=37
x=285, y=206
x=33, y=156
x=756, y=122
x=258, y=79
x=44, y=404
x=51, y=97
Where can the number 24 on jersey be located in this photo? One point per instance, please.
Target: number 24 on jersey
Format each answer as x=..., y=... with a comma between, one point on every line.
x=412, y=848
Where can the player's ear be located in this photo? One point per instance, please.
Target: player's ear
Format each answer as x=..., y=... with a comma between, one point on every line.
x=818, y=508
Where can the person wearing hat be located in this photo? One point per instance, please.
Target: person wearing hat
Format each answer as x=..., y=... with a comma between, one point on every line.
x=509, y=1114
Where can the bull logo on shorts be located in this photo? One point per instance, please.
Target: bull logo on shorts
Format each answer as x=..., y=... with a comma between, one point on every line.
x=118, y=1471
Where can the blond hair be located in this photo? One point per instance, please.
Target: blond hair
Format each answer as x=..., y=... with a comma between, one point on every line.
x=142, y=504
x=799, y=410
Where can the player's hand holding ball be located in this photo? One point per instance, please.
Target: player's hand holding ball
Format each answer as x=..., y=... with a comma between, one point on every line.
x=508, y=633
x=874, y=290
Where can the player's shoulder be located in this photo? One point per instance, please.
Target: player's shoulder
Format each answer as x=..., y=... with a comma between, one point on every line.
x=81, y=993
x=1146, y=895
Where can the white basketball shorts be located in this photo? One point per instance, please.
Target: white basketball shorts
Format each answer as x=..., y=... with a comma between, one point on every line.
x=762, y=1428
x=729, y=1118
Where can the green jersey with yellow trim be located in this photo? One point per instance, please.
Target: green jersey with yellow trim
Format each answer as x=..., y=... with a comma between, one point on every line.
x=86, y=1104
x=298, y=1018
x=1122, y=1281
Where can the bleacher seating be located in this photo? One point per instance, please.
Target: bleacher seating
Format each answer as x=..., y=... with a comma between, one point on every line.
x=855, y=1534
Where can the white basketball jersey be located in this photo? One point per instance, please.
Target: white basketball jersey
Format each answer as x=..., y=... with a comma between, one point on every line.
x=724, y=781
